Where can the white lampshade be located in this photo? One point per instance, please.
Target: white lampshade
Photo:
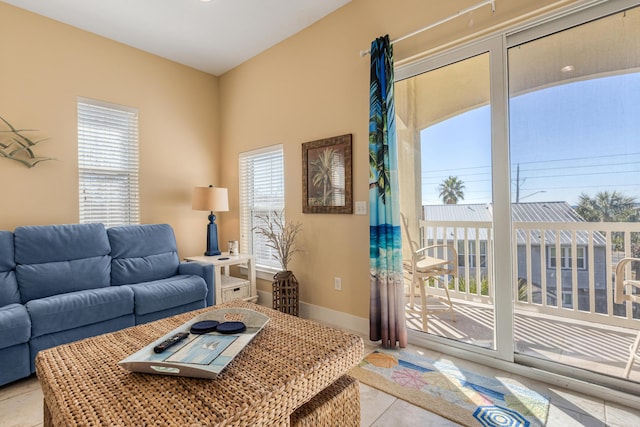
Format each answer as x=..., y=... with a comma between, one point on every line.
x=212, y=199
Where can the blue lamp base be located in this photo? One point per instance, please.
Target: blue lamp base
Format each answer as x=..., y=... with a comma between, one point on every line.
x=212, y=237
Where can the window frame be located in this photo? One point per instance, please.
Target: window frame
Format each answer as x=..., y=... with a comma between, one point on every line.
x=273, y=158
x=108, y=163
x=566, y=260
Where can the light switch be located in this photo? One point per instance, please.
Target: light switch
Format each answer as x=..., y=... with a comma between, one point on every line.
x=361, y=208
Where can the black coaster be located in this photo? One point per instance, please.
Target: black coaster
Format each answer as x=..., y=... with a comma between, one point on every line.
x=231, y=327
x=204, y=327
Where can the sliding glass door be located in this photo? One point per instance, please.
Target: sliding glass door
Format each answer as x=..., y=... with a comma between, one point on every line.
x=518, y=153
x=574, y=98
x=444, y=137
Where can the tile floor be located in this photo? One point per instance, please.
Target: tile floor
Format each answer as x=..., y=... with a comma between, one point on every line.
x=21, y=405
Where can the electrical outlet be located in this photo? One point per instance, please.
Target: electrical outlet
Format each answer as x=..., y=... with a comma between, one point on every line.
x=337, y=283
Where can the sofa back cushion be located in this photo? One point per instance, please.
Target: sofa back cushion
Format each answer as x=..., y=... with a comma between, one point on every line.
x=55, y=259
x=142, y=253
x=8, y=286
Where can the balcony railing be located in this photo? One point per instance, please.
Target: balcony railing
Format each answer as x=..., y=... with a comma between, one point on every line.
x=559, y=268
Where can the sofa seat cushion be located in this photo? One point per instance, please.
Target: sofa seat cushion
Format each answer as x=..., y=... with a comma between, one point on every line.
x=75, y=309
x=142, y=253
x=8, y=284
x=167, y=293
x=15, y=325
x=56, y=259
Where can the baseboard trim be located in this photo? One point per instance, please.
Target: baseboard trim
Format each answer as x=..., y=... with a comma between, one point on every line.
x=335, y=318
x=327, y=316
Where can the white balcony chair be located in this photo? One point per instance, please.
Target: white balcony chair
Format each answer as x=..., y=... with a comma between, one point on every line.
x=624, y=292
x=425, y=267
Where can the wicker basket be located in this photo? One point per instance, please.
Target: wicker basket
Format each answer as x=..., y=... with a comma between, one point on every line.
x=285, y=292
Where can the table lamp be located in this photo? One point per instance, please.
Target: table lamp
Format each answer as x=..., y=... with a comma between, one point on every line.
x=211, y=199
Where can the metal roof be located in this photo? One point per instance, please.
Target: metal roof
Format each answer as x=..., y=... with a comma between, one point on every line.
x=470, y=213
x=532, y=212
x=544, y=212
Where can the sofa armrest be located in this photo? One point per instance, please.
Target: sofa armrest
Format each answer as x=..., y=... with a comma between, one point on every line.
x=206, y=272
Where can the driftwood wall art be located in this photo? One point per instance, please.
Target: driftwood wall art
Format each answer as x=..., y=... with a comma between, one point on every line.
x=15, y=145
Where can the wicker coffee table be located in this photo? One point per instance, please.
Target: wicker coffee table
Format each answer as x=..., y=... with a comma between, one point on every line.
x=292, y=373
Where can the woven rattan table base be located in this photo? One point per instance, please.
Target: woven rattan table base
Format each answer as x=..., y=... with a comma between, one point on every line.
x=336, y=405
x=290, y=362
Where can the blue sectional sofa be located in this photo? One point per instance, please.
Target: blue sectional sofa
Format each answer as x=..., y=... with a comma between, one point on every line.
x=62, y=283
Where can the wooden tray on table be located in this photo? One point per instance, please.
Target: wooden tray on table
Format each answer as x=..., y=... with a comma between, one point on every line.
x=199, y=355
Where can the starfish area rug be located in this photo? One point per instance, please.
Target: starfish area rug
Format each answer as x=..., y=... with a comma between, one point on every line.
x=441, y=387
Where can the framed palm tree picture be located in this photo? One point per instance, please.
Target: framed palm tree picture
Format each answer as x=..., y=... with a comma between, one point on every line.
x=326, y=175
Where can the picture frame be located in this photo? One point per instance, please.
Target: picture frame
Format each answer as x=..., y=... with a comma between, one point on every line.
x=327, y=175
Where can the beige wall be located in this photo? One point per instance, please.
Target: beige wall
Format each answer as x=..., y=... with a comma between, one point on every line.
x=46, y=65
x=193, y=125
x=315, y=85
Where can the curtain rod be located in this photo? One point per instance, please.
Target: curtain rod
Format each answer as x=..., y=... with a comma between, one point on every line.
x=442, y=21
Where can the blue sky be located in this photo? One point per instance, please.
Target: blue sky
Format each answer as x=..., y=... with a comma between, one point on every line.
x=580, y=137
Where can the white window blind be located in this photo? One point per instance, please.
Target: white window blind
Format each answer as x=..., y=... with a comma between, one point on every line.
x=261, y=193
x=108, y=163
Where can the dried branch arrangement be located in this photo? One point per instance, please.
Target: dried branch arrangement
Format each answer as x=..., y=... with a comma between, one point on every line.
x=282, y=236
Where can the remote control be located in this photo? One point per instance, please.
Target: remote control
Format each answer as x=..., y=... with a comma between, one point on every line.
x=170, y=341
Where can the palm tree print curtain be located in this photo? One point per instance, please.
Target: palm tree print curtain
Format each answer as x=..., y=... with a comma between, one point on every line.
x=386, y=312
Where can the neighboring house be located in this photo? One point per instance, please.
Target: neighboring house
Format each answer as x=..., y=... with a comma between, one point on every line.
x=476, y=219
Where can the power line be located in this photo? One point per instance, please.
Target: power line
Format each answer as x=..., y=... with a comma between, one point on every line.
x=609, y=172
x=583, y=174
x=588, y=187
x=456, y=170
x=464, y=181
x=532, y=177
x=464, y=174
x=579, y=158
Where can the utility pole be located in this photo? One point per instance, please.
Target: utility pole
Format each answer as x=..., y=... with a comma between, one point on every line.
x=518, y=183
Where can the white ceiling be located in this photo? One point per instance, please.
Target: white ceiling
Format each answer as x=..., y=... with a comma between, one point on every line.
x=212, y=36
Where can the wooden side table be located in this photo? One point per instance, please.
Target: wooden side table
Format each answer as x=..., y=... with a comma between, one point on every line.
x=227, y=287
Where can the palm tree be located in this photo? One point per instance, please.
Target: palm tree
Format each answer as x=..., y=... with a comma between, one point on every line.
x=610, y=207
x=607, y=207
x=321, y=169
x=451, y=190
